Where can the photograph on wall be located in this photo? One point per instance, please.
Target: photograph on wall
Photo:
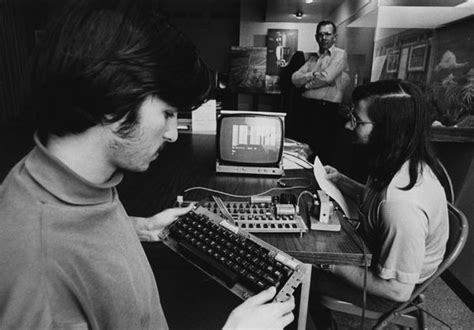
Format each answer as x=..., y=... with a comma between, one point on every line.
x=247, y=69
x=417, y=58
x=392, y=61
x=281, y=45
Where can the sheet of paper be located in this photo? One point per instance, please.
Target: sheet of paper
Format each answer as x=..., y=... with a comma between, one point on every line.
x=329, y=187
x=204, y=118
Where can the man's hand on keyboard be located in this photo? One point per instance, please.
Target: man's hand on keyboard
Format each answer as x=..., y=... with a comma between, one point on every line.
x=258, y=313
x=149, y=229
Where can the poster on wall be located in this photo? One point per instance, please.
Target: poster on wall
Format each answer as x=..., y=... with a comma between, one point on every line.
x=451, y=85
x=247, y=69
x=417, y=58
x=392, y=61
x=281, y=45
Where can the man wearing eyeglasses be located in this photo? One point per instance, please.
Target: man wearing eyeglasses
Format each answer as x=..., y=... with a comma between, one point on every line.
x=323, y=78
x=403, y=211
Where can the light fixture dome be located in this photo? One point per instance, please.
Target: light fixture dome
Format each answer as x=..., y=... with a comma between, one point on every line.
x=299, y=14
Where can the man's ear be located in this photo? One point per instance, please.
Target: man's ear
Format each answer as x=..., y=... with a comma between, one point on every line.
x=110, y=126
x=107, y=121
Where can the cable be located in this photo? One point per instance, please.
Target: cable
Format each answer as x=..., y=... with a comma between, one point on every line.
x=286, y=153
x=281, y=181
x=243, y=196
x=364, y=289
x=304, y=192
x=360, y=243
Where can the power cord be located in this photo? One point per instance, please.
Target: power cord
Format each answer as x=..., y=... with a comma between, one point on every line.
x=360, y=243
x=244, y=196
x=364, y=288
x=295, y=159
x=282, y=181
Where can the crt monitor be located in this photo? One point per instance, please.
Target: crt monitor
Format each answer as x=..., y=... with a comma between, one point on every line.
x=250, y=142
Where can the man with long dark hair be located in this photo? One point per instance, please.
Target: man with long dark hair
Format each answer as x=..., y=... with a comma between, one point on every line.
x=109, y=80
x=404, y=216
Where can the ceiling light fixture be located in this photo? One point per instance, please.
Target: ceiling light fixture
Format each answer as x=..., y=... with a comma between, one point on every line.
x=299, y=14
x=309, y=1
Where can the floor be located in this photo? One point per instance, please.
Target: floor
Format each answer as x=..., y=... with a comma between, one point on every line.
x=441, y=301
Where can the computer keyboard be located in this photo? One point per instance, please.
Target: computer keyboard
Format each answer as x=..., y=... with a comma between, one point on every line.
x=235, y=258
x=263, y=214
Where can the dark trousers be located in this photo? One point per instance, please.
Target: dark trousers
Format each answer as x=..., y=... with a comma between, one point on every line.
x=319, y=125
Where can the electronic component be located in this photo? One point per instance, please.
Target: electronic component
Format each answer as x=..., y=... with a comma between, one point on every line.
x=285, y=209
x=322, y=215
x=260, y=199
x=236, y=259
x=260, y=214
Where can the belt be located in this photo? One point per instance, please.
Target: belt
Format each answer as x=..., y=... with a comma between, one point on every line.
x=320, y=102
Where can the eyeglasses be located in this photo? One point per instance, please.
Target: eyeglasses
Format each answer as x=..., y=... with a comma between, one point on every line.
x=353, y=119
x=324, y=34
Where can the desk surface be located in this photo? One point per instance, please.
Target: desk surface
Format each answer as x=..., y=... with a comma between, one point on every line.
x=190, y=162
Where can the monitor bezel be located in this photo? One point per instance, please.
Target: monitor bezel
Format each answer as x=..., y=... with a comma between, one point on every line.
x=228, y=113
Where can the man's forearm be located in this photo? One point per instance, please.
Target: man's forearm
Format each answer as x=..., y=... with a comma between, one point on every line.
x=350, y=187
x=316, y=83
x=389, y=289
x=299, y=79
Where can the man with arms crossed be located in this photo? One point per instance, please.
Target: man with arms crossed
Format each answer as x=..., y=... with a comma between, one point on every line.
x=404, y=216
x=108, y=81
x=324, y=78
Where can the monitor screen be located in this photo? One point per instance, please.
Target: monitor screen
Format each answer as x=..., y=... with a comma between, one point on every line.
x=250, y=138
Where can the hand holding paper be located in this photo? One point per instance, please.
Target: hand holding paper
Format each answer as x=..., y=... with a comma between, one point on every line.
x=329, y=187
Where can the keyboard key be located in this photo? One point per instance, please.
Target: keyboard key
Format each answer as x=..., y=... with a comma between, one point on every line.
x=208, y=263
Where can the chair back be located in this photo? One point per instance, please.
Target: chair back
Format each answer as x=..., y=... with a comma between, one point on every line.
x=447, y=183
x=458, y=231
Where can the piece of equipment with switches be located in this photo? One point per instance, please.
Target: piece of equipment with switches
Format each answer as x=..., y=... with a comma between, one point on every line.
x=259, y=214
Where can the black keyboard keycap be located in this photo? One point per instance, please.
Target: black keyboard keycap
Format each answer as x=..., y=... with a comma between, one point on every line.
x=209, y=264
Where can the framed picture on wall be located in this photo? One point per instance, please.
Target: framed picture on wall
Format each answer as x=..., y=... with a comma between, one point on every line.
x=247, y=69
x=417, y=58
x=392, y=61
x=281, y=45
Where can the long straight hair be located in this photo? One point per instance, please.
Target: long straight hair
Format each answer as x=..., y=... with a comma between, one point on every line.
x=400, y=133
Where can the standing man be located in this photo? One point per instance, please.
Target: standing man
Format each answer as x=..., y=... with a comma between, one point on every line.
x=109, y=80
x=324, y=78
x=403, y=210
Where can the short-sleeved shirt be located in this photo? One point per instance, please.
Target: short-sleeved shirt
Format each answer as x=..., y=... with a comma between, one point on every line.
x=407, y=231
x=69, y=255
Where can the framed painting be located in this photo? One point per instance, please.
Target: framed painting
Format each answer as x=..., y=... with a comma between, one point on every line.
x=392, y=61
x=247, y=69
x=417, y=58
x=281, y=45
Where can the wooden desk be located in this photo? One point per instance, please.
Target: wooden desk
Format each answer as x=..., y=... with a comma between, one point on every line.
x=190, y=162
